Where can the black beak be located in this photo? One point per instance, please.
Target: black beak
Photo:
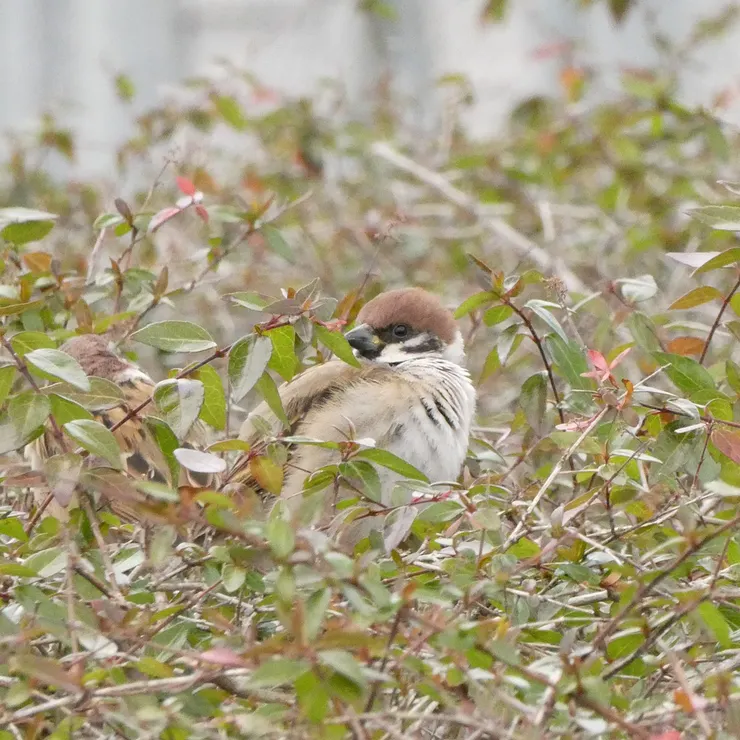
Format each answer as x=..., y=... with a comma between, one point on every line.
x=363, y=339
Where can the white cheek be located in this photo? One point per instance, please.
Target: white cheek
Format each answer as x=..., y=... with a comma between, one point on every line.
x=455, y=352
x=393, y=353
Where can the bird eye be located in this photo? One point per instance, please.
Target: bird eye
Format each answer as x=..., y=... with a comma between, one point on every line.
x=400, y=331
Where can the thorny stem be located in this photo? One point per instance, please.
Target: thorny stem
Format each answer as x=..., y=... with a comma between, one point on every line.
x=715, y=325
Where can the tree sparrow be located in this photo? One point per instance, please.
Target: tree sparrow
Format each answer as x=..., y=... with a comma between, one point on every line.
x=142, y=456
x=411, y=395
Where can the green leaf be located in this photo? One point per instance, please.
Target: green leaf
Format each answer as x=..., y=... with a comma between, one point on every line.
x=11, y=526
x=58, y=365
x=540, y=308
x=473, y=302
x=23, y=225
x=276, y=242
x=283, y=359
x=676, y=451
x=25, y=341
x=249, y=299
x=213, y=411
x=27, y=412
x=64, y=410
x=696, y=297
x=268, y=473
x=248, y=359
x=266, y=387
x=686, y=374
x=722, y=218
x=230, y=111
x=179, y=401
x=644, y=332
x=277, y=672
x=497, y=314
x=732, y=370
x=175, y=336
x=716, y=624
x=233, y=577
x=12, y=308
x=728, y=257
x=570, y=361
x=392, y=462
x=533, y=401
x=624, y=645
x=494, y=11
x=107, y=220
x=337, y=344
x=280, y=536
x=95, y=438
x=229, y=445
x=312, y=696
x=343, y=663
x=32, y=231
x=316, y=611
x=366, y=476
x=167, y=442
x=103, y=394
x=7, y=377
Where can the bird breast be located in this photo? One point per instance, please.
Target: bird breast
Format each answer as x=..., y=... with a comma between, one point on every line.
x=421, y=411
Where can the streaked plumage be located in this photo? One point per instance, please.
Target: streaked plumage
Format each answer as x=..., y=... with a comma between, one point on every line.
x=142, y=456
x=411, y=395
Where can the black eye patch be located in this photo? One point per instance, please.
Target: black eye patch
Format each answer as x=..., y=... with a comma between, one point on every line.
x=396, y=333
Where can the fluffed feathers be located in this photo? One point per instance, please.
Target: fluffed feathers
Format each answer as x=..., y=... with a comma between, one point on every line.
x=142, y=457
x=411, y=395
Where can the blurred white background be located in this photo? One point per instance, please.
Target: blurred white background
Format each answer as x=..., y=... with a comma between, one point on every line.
x=62, y=55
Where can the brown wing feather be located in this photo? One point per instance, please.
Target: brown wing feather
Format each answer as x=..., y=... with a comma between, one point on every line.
x=302, y=396
x=142, y=457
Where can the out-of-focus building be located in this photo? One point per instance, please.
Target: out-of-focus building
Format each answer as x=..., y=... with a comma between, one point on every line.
x=62, y=54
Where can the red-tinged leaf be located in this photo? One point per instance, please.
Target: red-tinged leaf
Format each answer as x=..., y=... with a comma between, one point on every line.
x=686, y=346
x=185, y=186
x=37, y=261
x=727, y=441
x=222, y=656
x=162, y=217
x=696, y=297
x=598, y=360
x=669, y=735
x=202, y=212
x=123, y=208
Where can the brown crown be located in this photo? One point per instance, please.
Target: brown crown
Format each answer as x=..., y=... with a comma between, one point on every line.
x=95, y=356
x=413, y=306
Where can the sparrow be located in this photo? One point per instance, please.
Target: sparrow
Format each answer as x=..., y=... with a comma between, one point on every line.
x=142, y=456
x=411, y=395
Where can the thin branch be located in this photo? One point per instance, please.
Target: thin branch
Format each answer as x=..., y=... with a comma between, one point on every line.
x=470, y=205
x=518, y=531
x=715, y=325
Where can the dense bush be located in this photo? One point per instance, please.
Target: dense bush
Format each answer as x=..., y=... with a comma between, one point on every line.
x=581, y=581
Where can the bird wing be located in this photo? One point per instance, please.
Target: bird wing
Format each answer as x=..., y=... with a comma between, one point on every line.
x=142, y=456
x=310, y=389
x=302, y=399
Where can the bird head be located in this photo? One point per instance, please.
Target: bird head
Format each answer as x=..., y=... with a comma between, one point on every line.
x=405, y=324
x=95, y=354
